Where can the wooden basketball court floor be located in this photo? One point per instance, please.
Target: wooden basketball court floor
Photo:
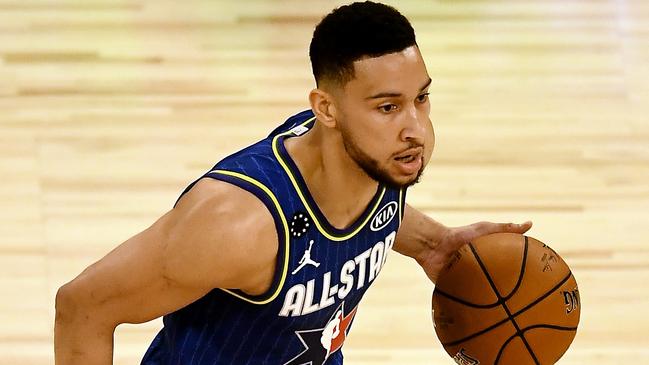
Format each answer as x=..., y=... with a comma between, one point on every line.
x=109, y=108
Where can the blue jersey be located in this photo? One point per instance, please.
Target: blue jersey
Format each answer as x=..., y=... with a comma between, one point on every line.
x=321, y=274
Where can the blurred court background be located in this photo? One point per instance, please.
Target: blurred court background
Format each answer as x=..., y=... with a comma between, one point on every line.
x=109, y=108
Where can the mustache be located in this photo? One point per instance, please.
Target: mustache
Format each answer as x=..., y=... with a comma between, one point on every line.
x=411, y=146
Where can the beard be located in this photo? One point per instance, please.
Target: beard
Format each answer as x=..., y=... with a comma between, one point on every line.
x=372, y=167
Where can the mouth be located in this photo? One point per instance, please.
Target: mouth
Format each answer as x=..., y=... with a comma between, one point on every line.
x=410, y=161
x=410, y=154
x=407, y=158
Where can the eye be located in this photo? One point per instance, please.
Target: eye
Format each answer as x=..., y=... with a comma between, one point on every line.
x=387, y=108
x=423, y=97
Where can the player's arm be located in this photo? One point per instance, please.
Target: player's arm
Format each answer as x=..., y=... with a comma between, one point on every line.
x=431, y=243
x=218, y=236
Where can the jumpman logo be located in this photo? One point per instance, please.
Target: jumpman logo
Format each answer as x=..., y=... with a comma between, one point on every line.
x=306, y=259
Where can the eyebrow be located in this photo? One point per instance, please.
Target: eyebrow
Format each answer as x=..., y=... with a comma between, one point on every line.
x=394, y=95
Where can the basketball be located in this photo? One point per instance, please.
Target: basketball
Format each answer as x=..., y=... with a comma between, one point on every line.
x=506, y=299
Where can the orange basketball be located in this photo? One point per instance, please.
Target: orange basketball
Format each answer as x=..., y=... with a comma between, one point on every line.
x=506, y=299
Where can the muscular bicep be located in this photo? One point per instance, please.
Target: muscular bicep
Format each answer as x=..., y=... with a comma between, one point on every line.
x=198, y=246
x=133, y=283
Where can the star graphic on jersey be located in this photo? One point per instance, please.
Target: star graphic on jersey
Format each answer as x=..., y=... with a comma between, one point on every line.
x=320, y=343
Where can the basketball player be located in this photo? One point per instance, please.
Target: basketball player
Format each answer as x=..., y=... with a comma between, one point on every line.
x=231, y=266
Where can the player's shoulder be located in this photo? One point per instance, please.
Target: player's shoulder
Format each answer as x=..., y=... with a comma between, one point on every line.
x=223, y=211
x=218, y=233
x=215, y=195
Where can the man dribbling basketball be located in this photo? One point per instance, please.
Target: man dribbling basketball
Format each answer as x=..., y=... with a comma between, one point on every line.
x=330, y=183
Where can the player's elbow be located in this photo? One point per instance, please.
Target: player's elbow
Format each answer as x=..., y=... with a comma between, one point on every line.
x=68, y=307
x=74, y=306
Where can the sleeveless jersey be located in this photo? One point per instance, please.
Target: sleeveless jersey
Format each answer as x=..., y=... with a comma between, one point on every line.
x=321, y=273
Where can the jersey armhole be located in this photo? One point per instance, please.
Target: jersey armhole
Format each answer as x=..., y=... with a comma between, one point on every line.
x=263, y=193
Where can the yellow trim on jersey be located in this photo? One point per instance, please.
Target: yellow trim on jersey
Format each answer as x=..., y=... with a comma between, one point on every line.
x=401, y=201
x=286, y=234
x=306, y=204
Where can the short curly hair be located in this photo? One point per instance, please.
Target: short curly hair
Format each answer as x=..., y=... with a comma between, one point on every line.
x=355, y=31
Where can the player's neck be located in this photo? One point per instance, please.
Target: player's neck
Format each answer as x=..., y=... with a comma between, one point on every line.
x=338, y=185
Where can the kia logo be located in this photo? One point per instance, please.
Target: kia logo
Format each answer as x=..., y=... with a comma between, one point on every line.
x=384, y=216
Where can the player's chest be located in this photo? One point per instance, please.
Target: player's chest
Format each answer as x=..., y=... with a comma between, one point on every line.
x=322, y=273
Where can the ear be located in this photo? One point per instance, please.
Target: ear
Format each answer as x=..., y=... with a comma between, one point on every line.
x=322, y=104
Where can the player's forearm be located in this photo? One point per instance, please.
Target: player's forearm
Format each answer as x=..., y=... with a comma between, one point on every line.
x=418, y=233
x=78, y=337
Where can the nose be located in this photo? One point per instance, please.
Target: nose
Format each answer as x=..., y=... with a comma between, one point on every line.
x=414, y=127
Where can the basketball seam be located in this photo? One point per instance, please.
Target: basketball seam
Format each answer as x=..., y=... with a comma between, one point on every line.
x=488, y=306
x=519, y=312
x=470, y=337
x=502, y=302
x=468, y=304
x=545, y=295
x=521, y=273
x=502, y=348
x=554, y=327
